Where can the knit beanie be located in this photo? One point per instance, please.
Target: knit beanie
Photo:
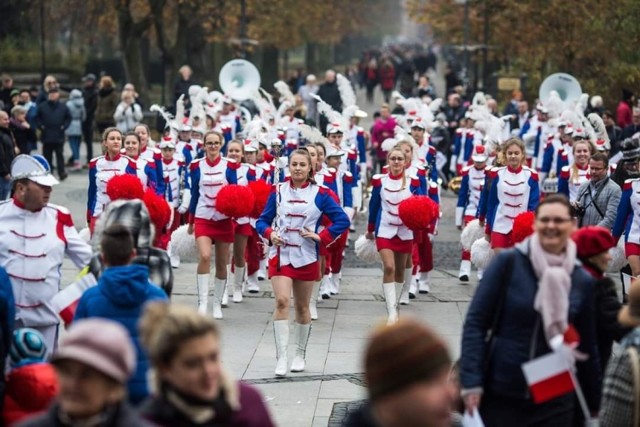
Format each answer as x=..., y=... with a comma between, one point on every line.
x=403, y=354
x=593, y=240
x=27, y=346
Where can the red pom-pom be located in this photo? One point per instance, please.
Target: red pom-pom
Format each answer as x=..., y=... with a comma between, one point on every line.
x=159, y=210
x=418, y=212
x=125, y=186
x=522, y=226
x=261, y=191
x=235, y=201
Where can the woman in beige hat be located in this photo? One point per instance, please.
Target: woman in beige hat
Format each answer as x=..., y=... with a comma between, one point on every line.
x=92, y=369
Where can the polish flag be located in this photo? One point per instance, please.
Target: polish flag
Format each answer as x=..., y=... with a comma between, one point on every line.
x=66, y=301
x=548, y=377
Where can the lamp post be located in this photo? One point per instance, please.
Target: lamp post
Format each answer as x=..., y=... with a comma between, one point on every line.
x=465, y=41
x=43, y=65
x=243, y=28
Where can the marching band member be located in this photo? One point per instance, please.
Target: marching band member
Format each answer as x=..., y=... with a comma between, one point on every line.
x=176, y=181
x=535, y=135
x=146, y=169
x=148, y=149
x=34, y=238
x=572, y=177
x=473, y=179
x=102, y=169
x=514, y=190
x=186, y=150
x=208, y=175
x=290, y=222
x=322, y=251
x=243, y=229
x=628, y=223
x=321, y=177
x=426, y=152
x=393, y=239
x=464, y=141
x=335, y=135
x=229, y=117
x=555, y=143
x=341, y=183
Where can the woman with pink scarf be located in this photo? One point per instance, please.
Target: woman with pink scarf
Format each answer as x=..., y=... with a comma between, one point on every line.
x=382, y=129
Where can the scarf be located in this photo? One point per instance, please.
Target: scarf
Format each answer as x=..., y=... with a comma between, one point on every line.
x=554, y=283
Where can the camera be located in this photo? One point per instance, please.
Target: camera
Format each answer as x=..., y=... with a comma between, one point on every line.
x=578, y=210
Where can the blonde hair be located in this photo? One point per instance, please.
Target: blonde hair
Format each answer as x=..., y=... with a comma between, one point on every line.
x=165, y=327
x=574, y=167
x=397, y=148
x=106, y=82
x=108, y=130
x=514, y=141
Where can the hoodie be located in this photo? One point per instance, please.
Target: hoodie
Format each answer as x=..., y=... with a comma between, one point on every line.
x=75, y=104
x=120, y=295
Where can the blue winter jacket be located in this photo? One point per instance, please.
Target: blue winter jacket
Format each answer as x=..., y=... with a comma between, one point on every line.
x=120, y=295
x=519, y=336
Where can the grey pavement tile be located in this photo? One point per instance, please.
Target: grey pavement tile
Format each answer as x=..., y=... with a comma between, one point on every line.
x=341, y=390
x=348, y=345
x=343, y=363
x=320, y=422
x=291, y=404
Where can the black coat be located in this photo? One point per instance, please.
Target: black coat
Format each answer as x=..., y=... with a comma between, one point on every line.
x=7, y=151
x=331, y=95
x=52, y=119
x=608, y=329
x=122, y=416
x=23, y=136
x=90, y=95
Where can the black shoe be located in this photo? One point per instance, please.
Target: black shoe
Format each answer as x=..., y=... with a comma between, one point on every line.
x=424, y=292
x=70, y=161
x=412, y=295
x=254, y=292
x=464, y=278
x=63, y=176
x=326, y=296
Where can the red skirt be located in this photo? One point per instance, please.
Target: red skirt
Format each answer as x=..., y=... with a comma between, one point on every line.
x=631, y=249
x=244, y=229
x=215, y=230
x=500, y=241
x=395, y=244
x=307, y=273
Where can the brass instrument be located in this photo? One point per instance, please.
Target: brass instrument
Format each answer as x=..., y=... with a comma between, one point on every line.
x=455, y=184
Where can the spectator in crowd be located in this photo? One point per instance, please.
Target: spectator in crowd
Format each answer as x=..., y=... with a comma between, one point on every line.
x=93, y=363
x=595, y=106
x=31, y=382
x=623, y=112
x=593, y=244
x=425, y=88
x=14, y=100
x=597, y=199
x=7, y=154
x=106, y=104
x=330, y=94
x=30, y=107
x=53, y=119
x=130, y=87
x=628, y=166
x=515, y=300
x=613, y=131
x=387, y=77
x=451, y=80
x=383, y=128
x=90, y=95
x=122, y=291
x=7, y=316
x=182, y=84
x=619, y=397
x=7, y=87
x=193, y=388
x=75, y=104
x=633, y=127
x=371, y=78
x=128, y=114
x=43, y=93
x=407, y=370
x=521, y=117
x=305, y=92
x=454, y=112
x=512, y=106
x=23, y=133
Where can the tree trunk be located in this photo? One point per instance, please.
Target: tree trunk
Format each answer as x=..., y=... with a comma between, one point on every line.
x=269, y=70
x=311, y=58
x=129, y=34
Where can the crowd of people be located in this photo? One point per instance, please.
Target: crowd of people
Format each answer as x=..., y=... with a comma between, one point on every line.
x=547, y=194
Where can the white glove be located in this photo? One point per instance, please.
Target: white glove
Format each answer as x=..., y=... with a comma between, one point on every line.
x=454, y=164
x=186, y=200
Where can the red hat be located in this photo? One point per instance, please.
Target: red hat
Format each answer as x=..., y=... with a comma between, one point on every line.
x=592, y=240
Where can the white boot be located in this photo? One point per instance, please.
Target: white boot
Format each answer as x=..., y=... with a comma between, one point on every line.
x=413, y=287
x=335, y=283
x=252, y=283
x=313, y=301
x=175, y=258
x=203, y=292
x=281, y=334
x=219, y=287
x=225, y=294
x=423, y=283
x=238, y=278
x=325, y=287
x=262, y=271
x=404, y=287
x=465, y=270
x=301, y=332
x=480, y=273
x=389, y=290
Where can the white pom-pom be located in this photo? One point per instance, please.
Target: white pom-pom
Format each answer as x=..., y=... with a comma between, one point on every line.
x=366, y=250
x=618, y=258
x=183, y=244
x=471, y=232
x=481, y=253
x=85, y=234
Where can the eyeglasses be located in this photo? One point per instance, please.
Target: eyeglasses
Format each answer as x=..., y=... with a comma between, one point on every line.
x=555, y=220
x=211, y=144
x=396, y=159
